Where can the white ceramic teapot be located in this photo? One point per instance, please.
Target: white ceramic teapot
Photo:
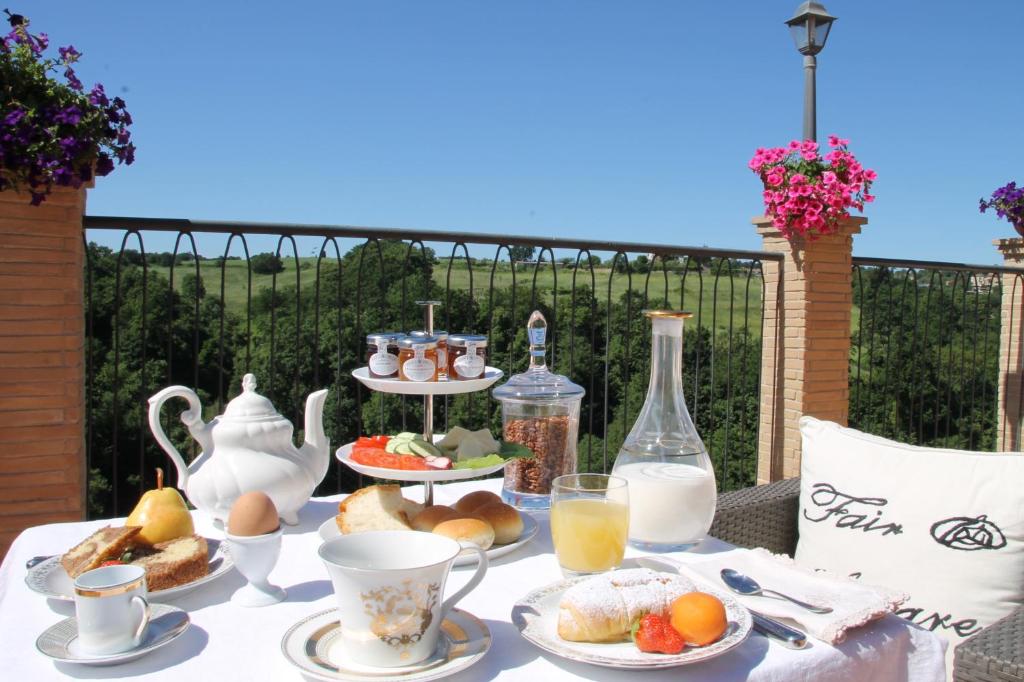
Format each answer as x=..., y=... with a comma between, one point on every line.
x=247, y=448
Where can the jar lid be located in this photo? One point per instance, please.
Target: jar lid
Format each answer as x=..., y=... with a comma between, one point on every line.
x=437, y=335
x=386, y=337
x=538, y=383
x=424, y=341
x=459, y=340
x=250, y=405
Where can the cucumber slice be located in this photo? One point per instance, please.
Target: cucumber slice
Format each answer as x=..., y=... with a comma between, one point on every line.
x=406, y=435
x=390, y=447
x=424, y=449
x=402, y=448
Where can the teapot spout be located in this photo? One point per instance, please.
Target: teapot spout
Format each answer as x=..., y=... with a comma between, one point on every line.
x=317, y=448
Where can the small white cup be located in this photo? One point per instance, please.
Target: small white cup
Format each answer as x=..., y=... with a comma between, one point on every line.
x=111, y=609
x=389, y=586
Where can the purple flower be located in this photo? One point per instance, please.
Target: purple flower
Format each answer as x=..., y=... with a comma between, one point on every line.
x=123, y=136
x=103, y=165
x=69, y=54
x=70, y=115
x=12, y=118
x=73, y=81
x=43, y=41
x=97, y=97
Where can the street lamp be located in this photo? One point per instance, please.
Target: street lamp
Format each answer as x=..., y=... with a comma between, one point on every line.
x=809, y=27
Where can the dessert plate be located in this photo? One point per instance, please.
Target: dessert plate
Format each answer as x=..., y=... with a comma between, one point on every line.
x=49, y=579
x=436, y=475
x=536, y=618
x=464, y=640
x=491, y=374
x=329, y=529
x=60, y=641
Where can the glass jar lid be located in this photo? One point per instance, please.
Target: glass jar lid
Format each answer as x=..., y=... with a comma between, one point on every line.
x=460, y=340
x=437, y=335
x=425, y=341
x=538, y=383
x=377, y=338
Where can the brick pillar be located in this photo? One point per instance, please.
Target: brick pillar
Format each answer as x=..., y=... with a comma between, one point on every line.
x=1011, y=348
x=805, y=359
x=42, y=361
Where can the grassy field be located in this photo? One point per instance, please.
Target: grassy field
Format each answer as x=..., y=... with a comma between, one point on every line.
x=713, y=300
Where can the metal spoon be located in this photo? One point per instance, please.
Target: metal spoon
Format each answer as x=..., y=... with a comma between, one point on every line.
x=744, y=584
x=36, y=560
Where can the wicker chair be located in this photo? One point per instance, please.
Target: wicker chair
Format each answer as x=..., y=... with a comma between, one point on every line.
x=766, y=516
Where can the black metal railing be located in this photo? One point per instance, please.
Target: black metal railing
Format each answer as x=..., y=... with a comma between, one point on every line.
x=924, y=363
x=299, y=324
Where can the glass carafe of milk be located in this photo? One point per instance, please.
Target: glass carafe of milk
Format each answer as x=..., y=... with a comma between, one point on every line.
x=672, y=491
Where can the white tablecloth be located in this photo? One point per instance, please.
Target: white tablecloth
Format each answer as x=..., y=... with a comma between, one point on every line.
x=227, y=642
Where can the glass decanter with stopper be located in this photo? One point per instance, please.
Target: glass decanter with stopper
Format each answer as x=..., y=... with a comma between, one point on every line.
x=672, y=493
x=541, y=411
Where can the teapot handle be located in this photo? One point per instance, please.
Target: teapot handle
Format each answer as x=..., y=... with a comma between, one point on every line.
x=192, y=418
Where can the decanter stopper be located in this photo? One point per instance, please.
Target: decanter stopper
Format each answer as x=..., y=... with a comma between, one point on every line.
x=536, y=332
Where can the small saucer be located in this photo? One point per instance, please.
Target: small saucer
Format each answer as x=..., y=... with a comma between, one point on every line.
x=308, y=644
x=60, y=642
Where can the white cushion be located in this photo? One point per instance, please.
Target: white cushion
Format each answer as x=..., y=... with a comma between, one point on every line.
x=945, y=526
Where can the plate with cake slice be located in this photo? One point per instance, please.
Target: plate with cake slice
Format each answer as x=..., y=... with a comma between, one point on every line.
x=594, y=619
x=173, y=568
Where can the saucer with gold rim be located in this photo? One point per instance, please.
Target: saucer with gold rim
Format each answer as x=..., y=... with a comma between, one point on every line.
x=308, y=645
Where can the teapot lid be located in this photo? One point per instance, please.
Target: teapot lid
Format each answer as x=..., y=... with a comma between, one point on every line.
x=250, y=405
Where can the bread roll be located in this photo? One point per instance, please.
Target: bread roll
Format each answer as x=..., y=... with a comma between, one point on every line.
x=504, y=519
x=478, y=498
x=433, y=515
x=472, y=530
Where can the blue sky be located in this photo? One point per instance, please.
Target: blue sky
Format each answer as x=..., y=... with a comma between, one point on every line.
x=624, y=120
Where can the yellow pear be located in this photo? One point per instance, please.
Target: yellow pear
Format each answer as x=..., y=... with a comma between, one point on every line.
x=162, y=514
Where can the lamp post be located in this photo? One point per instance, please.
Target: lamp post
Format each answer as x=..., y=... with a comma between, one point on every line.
x=809, y=27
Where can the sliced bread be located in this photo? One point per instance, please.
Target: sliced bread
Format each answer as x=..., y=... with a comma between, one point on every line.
x=106, y=544
x=175, y=562
x=375, y=507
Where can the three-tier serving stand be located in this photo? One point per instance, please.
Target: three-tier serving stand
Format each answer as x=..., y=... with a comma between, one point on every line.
x=427, y=389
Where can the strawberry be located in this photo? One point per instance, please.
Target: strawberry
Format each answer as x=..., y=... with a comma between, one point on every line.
x=112, y=562
x=656, y=635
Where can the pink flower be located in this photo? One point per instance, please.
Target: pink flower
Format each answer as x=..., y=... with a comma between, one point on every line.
x=870, y=175
x=833, y=141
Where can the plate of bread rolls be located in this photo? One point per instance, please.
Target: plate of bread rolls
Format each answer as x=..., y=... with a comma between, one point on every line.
x=593, y=619
x=480, y=517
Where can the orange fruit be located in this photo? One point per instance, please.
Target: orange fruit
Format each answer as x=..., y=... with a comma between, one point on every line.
x=699, y=617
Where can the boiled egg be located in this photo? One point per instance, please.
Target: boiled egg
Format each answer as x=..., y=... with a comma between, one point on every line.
x=253, y=513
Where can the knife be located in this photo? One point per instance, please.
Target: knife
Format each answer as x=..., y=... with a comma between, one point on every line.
x=780, y=632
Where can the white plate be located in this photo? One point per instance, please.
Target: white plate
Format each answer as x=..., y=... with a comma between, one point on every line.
x=536, y=617
x=491, y=374
x=437, y=475
x=464, y=640
x=60, y=641
x=329, y=529
x=49, y=578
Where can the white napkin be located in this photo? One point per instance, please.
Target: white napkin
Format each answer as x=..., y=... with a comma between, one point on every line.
x=853, y=603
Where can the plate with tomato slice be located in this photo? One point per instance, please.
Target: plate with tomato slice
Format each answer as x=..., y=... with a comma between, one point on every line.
x=371, y=459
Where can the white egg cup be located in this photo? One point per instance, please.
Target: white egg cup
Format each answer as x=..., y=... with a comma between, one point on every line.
x=255, y=557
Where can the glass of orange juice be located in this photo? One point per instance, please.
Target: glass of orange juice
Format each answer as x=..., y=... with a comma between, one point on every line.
x=589, y=522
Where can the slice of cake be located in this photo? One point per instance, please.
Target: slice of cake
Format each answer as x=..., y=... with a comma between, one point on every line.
x=174, y=562
x=106, y=544
x=376, y=507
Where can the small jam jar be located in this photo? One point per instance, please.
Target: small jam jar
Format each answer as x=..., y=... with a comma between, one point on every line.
x=442, y=351
x=382, y=354
x=417, y=358
x=467, y=356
